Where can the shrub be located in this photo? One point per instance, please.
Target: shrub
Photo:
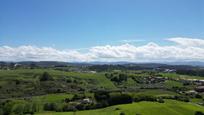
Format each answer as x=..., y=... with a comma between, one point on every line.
x=182, y=98
x=144, y=98
x=17, y=82
x=28, y=108
x=50, y=107
x=67, y=100
x=19, y=109
x=101, y=104
x=160, y=100
x=68, y=107
x=199, y=113
x=78, y=96
x=122, y=113
x=198, y=96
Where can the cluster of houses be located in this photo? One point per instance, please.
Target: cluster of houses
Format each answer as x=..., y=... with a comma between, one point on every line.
x=199, y=86
x=165, y=70
x=199, y=89
x=152, y=79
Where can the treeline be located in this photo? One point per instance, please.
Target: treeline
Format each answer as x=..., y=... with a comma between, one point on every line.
x=10, y=107
x=192, y=72
x=100, y=99
x=100, y=68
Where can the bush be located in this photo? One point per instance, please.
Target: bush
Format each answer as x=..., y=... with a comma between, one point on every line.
x=67, y=100
x=199, y=113
x=7, y=108
x=28, y=109
x=160, y=100
x=68, y=107
x=19, y=109
x=50, y=107
x=144, y=98
x=78, y=96
x=182, y=98
x=122, y=113
x=198, y=96
x=101, y=104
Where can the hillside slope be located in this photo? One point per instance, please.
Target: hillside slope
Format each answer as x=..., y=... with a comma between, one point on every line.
x=170, y=107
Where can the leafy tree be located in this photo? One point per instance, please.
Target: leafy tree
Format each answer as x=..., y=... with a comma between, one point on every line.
x=28, y=108
x=45, y=77
x=8, y=107
x=35, y=107
x=19, y=109
x=101, y=95
x=120, y=99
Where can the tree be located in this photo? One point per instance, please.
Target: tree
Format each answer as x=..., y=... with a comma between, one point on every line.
x=101, y=95
x=28, y=108
x=19, y=109
x=45, y=77
x=35, y=107
x=119, y=99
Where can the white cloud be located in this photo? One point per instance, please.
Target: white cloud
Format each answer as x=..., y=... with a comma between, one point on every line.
x=32, y=53
x=185, y=49
x=149, y=52
x=131, y=40
x=188, y=41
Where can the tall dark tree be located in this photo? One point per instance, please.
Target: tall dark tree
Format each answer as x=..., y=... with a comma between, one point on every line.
x=46, y=77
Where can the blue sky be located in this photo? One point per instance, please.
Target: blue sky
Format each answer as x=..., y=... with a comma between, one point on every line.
x=85, y=23
x=102, y=30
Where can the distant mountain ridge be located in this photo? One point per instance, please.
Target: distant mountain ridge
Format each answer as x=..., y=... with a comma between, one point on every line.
x=150, y=64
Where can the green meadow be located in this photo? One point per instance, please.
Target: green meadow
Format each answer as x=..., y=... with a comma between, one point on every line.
x=170, y=107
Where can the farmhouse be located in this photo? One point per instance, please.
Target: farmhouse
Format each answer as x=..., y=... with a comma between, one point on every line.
x=191, y=92
x=200, y=89
x=86, y=101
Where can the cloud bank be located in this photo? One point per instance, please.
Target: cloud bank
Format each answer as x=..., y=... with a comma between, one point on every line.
x=184, y=49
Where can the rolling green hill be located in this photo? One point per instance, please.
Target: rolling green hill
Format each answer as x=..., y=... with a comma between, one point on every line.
x=170, y=107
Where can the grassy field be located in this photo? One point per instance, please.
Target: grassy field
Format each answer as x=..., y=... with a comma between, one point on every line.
x=20, y=86
x=170, y=107
x=52, y=97
x=32, y=74
x=155, y=92
x=177, y=76
x=171, y=83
